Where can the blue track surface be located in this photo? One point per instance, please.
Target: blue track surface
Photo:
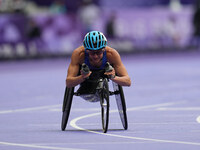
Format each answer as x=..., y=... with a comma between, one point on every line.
x=163, y=107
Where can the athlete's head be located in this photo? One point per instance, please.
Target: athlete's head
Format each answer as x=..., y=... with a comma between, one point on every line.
x=94, y=40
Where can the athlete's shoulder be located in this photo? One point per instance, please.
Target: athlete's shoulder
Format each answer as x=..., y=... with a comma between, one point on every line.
x=79, y=50
x=112, y=55
x=78, y=54
x=111, y=51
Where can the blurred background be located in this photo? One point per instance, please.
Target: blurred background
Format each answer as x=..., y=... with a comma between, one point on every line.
x=43, y=28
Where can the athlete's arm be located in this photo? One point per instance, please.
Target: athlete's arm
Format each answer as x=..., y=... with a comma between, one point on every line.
x=73, y=79
x=122, y=78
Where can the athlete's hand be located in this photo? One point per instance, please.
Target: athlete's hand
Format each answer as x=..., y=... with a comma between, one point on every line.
x=85, y=76
x=110, y=74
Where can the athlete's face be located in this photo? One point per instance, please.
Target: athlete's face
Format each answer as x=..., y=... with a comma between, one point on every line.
x=96, y=56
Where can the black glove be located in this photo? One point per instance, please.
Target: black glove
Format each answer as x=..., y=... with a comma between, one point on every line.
x=85, y=69
x=109, y=68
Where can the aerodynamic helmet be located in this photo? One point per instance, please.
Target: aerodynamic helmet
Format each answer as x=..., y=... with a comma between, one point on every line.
x=94, y=40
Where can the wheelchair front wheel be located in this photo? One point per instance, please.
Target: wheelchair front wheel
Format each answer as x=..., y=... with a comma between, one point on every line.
x=67, y=102
x=104, y=95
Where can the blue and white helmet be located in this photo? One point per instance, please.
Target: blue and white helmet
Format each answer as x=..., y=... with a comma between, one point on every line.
x=94, y=40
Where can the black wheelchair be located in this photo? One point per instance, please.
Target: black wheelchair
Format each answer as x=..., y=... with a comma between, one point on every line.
x=103, y=92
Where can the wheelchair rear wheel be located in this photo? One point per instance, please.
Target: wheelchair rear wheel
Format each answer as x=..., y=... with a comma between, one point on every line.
x=121, y=104
x=104, y=94
x=67, y=102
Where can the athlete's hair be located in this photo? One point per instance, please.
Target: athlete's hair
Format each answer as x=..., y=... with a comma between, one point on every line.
x=94, y=40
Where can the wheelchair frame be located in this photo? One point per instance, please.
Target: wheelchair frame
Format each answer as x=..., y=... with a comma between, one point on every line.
x=104, y=93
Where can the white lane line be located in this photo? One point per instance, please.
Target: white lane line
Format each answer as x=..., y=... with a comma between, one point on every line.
x=90, y=143
x=150, y=106
x=179, y=109
x=198, y=119
x=37, y=146
x=118, y=123
x=52, y=107
x=73, y=123
x=76, y=109
x=28, y=109
x=163, y=123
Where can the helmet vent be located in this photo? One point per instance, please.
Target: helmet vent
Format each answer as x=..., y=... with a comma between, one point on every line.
x=94, y=40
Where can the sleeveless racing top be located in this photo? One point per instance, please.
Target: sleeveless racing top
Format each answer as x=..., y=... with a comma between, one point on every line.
x=89, y=85
x=104, y=60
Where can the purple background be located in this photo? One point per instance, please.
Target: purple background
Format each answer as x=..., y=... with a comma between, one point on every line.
x=139, y=28
x=142, y=28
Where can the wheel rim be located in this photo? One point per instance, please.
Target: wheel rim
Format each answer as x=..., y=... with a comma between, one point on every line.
x=105, y=106
x=121, y=112
x=120, y=100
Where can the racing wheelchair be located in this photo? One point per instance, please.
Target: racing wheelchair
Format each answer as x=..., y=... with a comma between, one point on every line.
x=103, y=93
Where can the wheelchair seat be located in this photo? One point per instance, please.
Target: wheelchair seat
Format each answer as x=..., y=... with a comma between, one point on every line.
x=88, y=89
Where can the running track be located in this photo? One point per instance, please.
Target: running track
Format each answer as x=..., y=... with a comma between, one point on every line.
x=163, y=106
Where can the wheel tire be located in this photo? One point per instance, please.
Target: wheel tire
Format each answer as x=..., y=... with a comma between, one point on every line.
x=105, y=105
x=121, y=104
x=67, y=102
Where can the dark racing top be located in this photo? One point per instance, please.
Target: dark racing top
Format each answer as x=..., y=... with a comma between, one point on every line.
x=90, y=84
